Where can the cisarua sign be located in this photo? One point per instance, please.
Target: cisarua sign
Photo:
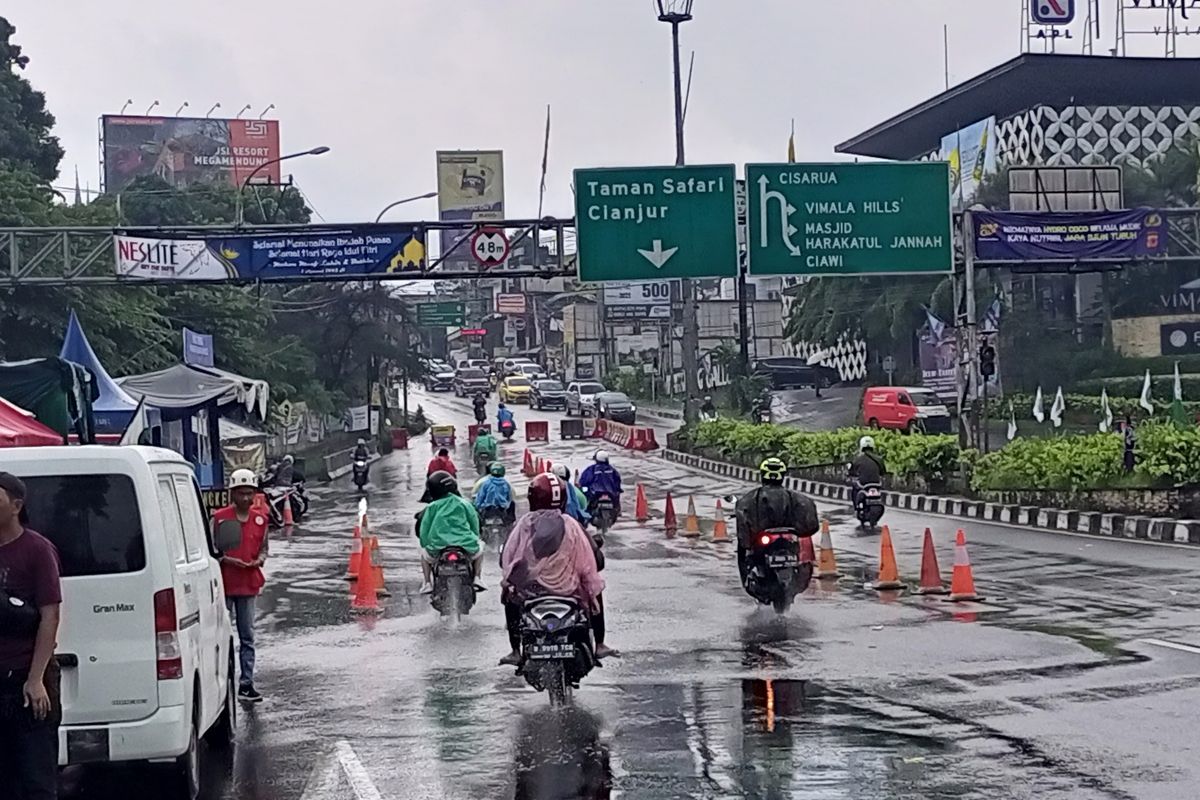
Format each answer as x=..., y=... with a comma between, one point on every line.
x=655, y=222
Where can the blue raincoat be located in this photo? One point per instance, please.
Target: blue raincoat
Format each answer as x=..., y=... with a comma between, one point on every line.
x=493, y=492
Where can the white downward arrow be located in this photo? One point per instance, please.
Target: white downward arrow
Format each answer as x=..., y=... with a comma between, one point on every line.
x=658, y=257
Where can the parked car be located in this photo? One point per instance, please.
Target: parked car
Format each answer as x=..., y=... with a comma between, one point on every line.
x=440, y=377
x=469, y=380
x=547, y=393
x=514, y=389
x=903, y=408
x=789, y=372
x=581, y=397
x=616, y=406
x=145, y=643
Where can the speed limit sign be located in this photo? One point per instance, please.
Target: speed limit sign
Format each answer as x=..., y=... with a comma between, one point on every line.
x=490, y=246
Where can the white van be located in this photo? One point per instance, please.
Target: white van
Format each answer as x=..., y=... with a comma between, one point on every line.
x=145, y=645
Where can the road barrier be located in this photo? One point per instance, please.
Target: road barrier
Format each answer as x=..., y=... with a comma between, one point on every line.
x=630, y=437
x=537, y=431
x=399, y=438
x=571, y=429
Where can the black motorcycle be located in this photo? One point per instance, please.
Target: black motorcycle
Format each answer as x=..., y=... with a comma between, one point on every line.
x=480, y=415
x=482, y=462
x=775, y=574
x=604, y=512
x=507, y=429
x=360, y=471
x=868, y=504
x=453, y=583
x=557, y=646
x=278, y=495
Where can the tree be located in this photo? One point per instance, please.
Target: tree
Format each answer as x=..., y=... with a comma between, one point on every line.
x=25, y=124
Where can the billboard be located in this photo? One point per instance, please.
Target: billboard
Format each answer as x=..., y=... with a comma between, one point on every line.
x=649, y=300
x=972, y=155
x=470, y=188
x=1069, y=235
x=184, y=151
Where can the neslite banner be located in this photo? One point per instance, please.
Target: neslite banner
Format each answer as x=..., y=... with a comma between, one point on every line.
x=1016, y=236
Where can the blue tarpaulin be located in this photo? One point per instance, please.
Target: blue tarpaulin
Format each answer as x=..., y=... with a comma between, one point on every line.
x=115, y=407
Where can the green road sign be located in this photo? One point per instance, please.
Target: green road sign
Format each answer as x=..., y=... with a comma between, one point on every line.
x=849, y=219
x=441, y=314
x=638, y=223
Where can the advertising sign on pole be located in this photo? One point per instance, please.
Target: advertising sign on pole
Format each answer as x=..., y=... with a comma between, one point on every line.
x=197, y=348
x=511, y=304
x=650, y=300
x=1069, y=235
x=1053, y=12
x=470, y=189
x=636, y=223
x=186, y=150
x=971, y=153
x=849, y=219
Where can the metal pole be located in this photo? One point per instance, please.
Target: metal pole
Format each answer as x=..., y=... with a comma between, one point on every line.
x=972, y=332
x=743, y=316
x=691, y=334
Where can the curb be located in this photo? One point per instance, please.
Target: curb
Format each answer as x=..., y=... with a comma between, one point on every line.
x=1096, y=523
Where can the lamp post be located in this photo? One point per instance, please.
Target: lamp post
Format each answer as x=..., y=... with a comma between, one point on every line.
x=675, y=13
x=390, y=206
x=241, y=217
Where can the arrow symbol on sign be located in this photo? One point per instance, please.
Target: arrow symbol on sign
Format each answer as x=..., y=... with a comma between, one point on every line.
x=657, y=256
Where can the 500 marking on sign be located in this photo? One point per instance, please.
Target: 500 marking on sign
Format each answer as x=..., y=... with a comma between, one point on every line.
x=656, y=291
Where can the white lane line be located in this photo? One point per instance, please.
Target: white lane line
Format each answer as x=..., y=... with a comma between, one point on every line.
x=360, y=779
x=323, y=780
x=1185, y=648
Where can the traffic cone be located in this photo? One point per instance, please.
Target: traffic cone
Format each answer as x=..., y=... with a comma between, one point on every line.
x=376, y=562
x=931, y=576
x=365, y=599
x=289, y=519
x=962, y=581
x=356, y=552
x=691, y=525
x=889, y=575
x=720, y=530
x=669, y=522
x=527, y=464
x=260, y=504
x=540, y=466
x=827, y=562
x=641, y=510
x=548, y=466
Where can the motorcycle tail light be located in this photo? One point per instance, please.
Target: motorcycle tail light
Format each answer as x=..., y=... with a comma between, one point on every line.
x=452, y=557
x=766, y=540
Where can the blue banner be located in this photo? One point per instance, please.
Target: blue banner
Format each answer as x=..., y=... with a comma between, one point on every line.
x=353, y=251
x=1069, y=235
x=197, y=348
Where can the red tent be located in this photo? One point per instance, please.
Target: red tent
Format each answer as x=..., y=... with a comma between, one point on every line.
x=18, y=428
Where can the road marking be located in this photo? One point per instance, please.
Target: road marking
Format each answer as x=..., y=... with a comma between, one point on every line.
x=1185, y=648
x=360, y=779
x=323, y=780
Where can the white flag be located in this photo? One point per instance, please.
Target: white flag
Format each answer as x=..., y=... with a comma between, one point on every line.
x=1039, y=413
x=1144, y=400
x=1178, y=384
x=1012, y=421
x=1057, y=408
x=137, y=425
x=1106, y=418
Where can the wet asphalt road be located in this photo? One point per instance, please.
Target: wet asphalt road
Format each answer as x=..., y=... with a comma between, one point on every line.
x=1061, y=684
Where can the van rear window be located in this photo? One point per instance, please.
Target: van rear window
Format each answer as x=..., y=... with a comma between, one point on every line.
x=93, y=520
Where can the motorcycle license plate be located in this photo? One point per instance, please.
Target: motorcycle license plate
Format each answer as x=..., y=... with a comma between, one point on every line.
x=783, y=560
x=872, y=493
x=552, y=652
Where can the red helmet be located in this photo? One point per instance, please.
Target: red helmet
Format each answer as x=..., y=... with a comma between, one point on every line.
x=547, y=491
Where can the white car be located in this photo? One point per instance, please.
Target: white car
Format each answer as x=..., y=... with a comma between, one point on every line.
x=581, y=397
x=146, y=647
x=532, y=371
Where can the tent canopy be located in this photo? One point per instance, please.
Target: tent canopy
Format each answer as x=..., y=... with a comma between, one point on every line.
x=114, y=407
x=58, y=392
x=19, y=428
x=185, y=386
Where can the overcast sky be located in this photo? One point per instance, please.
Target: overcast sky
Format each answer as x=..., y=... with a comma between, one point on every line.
x=385, y=84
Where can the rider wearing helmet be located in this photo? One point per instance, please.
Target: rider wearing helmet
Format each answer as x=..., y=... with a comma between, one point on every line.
x=361, y=451
x=708, y=409
x=448, y=521
x=494, y=492
x=479, y=405
x=504, y=415
x=601, y=478
x=771, y=505
x=441, y=463
x=549, y=554
x=866, y=468
x=285, y=473
x=485, y=445
x=576, y=499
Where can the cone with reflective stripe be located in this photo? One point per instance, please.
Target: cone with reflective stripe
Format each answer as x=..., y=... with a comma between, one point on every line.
x=931, y=576
x=356, y=551
x=720, y=530
x=826, y=561
x=889, y=574
x=289, y=519
x=641, y=510
x=670, y=525
x=962, y=581
x=527, y=465
x=376, y=562
x=365, y=598
x=691, y=525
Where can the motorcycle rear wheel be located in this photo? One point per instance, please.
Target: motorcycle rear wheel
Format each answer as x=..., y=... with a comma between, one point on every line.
x=554, y=677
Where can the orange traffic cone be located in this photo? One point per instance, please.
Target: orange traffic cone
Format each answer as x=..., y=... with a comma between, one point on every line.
x=260, y=504
x=826, y=562
x=365, y=599
x=527, y=465
x=691, y=525
x=889, y=575
x=356, y=552
x=807, y=554
x=720, y=530
x=376, y=562
x=289, y=519
x=641, y=511
x=931, y=576
x=548, y=466
x=962, y=581
x=537, y=466
x=669, y=522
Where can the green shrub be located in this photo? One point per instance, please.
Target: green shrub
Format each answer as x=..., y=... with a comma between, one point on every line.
x=1165, y=453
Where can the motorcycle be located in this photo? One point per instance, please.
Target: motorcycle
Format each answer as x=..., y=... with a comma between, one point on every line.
x=480, y=415
x=493, y=527
x=507, y=429
x=557, y=646
x=453, y=583
x=868, y=504
x=776, y=574
x=278, y=495
x=360, y=473
x=604, y=512
x=482, y=462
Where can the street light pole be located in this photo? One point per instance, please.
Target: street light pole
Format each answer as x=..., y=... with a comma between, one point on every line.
x=241, y=211
x=390, y=206
x=675, y=13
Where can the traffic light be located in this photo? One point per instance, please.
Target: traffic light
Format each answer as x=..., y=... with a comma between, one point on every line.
x=987, y=361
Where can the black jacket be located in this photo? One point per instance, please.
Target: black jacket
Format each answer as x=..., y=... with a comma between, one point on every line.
x=771, y=506
x=867, y=468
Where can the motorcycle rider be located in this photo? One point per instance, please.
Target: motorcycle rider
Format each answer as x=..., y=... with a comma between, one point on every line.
x=361, y=451
x=285, y=472
x=576, y=499
x=495, y=492
x=448, y=521
x=441, y=463
x=866, y=468
x=762, y=407
x=708, y=409
x=504, y=415
x=771, y=505
x=485, y=445
x=601, y=478
x=479, y=404
x=549, y=554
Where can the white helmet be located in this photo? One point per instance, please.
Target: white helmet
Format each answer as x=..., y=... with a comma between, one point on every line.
x=242, y=477
x=601, y=457
x=866, y=443
x=561, y=471
x=362, y=441
x=289, y=459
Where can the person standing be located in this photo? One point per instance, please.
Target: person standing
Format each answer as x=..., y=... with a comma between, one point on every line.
x=30, y=702
x=241, y=572
x=1130, y=436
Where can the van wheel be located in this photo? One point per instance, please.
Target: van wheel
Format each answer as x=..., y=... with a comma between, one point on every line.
x=224, y=732
x=873, y=423
x=185, y=773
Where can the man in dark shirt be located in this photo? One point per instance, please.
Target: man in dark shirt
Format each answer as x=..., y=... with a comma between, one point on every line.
x=30, y=709
x=866, y=469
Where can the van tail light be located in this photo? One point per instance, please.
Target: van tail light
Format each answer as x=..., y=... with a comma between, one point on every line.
x=166, y=636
